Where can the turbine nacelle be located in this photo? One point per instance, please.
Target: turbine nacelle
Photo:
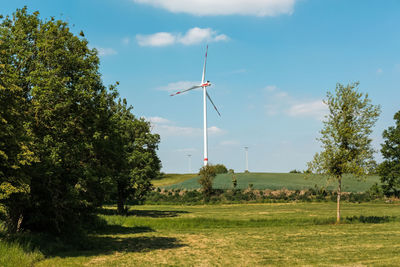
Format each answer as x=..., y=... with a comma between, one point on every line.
x=206, y=84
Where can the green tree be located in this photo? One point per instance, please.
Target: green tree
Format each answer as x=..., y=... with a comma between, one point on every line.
x=54, y=76
x=220, y=168
x=133, y=161
x=389, y=169
x=345, y=139
x=207, y=175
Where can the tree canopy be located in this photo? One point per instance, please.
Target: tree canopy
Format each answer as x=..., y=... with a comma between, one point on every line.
x=389, y=169
x=65, y=139
x=345, y=137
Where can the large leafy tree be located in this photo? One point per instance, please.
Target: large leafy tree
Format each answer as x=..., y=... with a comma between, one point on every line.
x=65, y=141
x=389, y=169
x=56, y=105
x=345, y=137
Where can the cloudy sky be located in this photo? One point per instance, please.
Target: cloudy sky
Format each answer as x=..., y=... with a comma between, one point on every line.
x=271, y=63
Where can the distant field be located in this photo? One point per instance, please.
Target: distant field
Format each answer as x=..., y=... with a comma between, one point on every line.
x=291, y=181
x=172, y=178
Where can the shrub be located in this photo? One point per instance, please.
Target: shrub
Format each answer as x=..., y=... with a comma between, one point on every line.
x=207, y=175
x=220, y=168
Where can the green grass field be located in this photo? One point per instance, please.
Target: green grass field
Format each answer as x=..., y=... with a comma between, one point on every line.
x=170, y=179
x=274, y=181
x=234, y=235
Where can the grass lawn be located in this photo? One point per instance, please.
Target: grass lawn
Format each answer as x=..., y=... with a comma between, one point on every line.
x=274, y=181
x=243, y=235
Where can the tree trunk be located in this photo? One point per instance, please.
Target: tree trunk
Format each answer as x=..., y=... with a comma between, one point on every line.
x=339, y=193
x=121, y=200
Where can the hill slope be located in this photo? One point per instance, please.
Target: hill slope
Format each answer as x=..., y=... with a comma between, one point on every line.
x=291, y=181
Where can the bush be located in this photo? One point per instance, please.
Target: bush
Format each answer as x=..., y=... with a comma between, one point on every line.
x=207, y=175
x=220, y=168
x=295, y=171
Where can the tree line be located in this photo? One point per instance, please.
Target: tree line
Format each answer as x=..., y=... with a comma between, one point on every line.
x=67, y=142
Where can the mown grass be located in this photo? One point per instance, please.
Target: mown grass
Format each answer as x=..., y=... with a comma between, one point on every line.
x=275, y=181
x=280, y=234
x=170, y=179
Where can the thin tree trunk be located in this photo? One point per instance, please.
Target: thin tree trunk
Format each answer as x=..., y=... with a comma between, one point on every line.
x=21, y=217
x=121, y=199
x=339, y=193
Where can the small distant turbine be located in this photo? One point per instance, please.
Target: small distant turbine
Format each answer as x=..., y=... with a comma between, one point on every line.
x=190, y=163
x=246, y=148
x=204, y=84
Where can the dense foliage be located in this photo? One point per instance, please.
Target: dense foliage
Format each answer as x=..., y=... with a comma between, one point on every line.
x=220, y=168
x=207, y=175
x=389, y=169
x=345, y=139
x=66, y=143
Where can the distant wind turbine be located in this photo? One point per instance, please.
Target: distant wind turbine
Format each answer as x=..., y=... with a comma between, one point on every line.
x=204, y=84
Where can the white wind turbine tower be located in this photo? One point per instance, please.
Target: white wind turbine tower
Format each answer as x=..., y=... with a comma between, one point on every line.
x=204, y=84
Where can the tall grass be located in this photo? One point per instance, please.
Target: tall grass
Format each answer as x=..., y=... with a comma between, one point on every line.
x=14, y=254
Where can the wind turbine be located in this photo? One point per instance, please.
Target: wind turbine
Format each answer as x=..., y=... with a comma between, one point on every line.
x=204, y=84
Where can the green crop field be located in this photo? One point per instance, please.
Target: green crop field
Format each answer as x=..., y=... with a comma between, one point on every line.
x=170, y=179
x=234, y=235
x=291, y=181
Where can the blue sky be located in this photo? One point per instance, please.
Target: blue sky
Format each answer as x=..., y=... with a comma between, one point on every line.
x=271, y=63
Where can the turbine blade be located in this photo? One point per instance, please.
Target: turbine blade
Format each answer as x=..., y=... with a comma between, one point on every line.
x=209, y=98
x=191, y=88
x=204, y=68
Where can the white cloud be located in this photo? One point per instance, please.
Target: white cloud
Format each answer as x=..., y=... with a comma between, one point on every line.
x=176, y=86
x=105, y=51
x=280, y=102
x=223, y=7
x=158, y=120
x=317, y=109
x=214, y=130
x=192, y=36
x=157, y=39
x=165, y=127
x=198, y=35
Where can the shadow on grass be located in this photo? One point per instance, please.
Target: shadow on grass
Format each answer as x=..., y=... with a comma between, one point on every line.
x=115, y=229
x=108, y=245
x=103, y=241
x=370, y=219
x=146, y=213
